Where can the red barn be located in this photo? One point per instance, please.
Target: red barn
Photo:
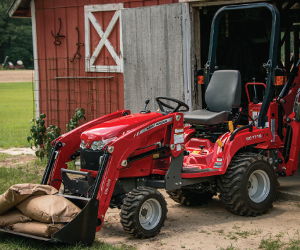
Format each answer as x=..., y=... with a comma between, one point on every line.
x=106, y=55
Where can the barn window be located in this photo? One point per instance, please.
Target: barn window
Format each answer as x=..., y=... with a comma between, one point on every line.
x=103, y=38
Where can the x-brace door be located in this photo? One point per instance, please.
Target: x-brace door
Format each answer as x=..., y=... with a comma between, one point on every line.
x=92, y=24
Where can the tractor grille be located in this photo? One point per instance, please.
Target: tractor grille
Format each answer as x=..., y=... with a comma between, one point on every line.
x=89, y=159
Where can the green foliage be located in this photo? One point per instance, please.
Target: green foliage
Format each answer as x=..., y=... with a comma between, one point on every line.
x=16, y=38
x=77, y=117
x=41, y=137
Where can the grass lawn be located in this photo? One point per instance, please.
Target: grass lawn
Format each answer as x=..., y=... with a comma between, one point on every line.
x=11, y=172
x=8, y=242
x=16, y=112
x=31, y=172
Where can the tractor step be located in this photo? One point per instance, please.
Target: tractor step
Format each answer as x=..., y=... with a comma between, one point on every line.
x=193, y=170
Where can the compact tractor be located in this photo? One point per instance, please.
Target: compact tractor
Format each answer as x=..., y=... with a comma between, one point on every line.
x=232, y=149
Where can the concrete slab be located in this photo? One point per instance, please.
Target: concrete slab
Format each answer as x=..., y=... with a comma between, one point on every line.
x=290, y=187
x=18, y=151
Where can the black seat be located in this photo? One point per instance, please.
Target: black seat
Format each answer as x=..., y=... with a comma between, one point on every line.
x=222, y=95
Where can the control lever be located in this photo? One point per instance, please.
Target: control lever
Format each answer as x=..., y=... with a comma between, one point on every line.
x=145, y=108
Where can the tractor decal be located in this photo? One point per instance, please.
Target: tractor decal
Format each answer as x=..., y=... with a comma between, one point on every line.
x=253, y=137
x=154, y=125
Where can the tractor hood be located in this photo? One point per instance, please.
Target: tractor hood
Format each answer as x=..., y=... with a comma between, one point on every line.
x=116, y=127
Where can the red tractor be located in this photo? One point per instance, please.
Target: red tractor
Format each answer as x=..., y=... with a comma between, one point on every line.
x=234, y=150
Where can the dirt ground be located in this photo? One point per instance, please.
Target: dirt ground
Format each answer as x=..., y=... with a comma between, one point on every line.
x=11, y=161
x=17, y=151
x=16, y=76
x=210, y=227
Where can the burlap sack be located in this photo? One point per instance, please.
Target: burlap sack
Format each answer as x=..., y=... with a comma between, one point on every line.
x=17, y=193
x=12, y=217
x=49, y=209
x=37, y=228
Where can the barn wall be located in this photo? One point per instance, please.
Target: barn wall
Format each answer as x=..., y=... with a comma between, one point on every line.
x=59, y=97
x=153, y=54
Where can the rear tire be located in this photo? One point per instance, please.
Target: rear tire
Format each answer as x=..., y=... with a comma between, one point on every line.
x=143, y=212
x=189, y=198
x=249, y=185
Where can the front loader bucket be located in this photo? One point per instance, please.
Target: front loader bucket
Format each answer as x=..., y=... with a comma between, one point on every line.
x=83, y=228
x=80, y=230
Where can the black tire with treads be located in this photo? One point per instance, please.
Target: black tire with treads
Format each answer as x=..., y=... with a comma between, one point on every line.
x=130, y=211
x=189, y=198
x=234, y=185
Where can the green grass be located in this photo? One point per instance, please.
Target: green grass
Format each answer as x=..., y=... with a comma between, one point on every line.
x=231, y=247
x=11, y=176
x=16, y=112
x=9, y=242
x=3, y=157
x=30, y=172
x=277, y=243
x=270, y=244
x=293, y=245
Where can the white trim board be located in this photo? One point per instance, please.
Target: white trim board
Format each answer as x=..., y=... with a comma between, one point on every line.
x=90, y=19
x=186, y=64
x=204, y=3
x=14, y=7
x=36, y=79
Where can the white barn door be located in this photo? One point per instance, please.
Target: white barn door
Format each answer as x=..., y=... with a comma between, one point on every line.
x=103, y=45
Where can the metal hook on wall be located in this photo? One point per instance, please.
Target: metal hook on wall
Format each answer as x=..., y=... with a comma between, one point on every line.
x=58, y=37
x=77, y=55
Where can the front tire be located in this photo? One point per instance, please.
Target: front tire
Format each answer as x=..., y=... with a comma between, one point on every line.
x=249, y=185
x=143, y=212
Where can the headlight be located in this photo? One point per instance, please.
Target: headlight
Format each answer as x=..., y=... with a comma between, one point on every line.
x=98, y=145
x=82, y=144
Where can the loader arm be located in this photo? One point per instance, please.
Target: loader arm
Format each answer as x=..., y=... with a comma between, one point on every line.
x=66, y=146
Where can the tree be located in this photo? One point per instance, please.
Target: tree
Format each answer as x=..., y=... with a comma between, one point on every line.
x=15, y=38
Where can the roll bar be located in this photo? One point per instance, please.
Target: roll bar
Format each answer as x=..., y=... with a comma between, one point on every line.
x=273, y=50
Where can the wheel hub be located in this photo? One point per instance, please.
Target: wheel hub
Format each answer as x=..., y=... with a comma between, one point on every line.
x=150, y=214
x=258, y=186
x=144, y=212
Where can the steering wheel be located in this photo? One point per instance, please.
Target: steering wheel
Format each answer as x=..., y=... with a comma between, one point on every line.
x=162, y=105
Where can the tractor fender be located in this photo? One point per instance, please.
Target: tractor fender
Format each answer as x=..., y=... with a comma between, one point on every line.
x=228, y=149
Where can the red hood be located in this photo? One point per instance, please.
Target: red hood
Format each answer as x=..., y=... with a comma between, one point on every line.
x=116, y=127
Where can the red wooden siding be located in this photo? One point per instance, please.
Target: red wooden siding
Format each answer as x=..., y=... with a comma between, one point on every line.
x=60, y=97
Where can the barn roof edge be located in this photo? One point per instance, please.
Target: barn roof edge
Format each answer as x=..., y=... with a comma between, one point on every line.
x=19, y=8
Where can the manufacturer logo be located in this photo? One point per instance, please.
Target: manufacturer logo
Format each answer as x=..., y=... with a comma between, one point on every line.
x=253, y=137
x=154, y=125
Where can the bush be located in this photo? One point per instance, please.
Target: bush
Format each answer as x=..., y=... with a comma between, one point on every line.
x=41, y=137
